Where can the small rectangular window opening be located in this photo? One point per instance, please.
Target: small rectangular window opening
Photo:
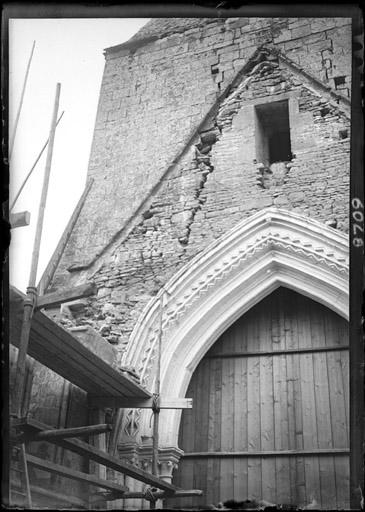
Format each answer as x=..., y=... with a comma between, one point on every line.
x=273, y=133
x=339, y=80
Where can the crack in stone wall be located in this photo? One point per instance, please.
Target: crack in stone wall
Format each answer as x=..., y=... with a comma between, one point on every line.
x=203, y=161
x=189, y=211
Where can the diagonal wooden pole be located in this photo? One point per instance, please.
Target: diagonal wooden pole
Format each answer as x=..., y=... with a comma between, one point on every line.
x=33, y=167
x=21, y=103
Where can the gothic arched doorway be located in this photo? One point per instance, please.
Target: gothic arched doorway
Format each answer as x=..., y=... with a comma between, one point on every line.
x=270, y=415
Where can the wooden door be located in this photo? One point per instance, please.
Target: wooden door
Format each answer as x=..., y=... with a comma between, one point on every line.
x=270, y=413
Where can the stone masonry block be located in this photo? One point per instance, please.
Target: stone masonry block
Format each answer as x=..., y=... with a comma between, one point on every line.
x=301, y=31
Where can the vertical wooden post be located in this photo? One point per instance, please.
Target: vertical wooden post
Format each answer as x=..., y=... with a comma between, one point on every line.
x=156, y=407
x=42, y=205
x=20, y=103
x=31, y=298
x=30, y=301
x=26, y=476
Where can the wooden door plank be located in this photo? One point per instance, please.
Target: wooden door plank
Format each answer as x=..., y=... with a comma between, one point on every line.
x=211, y=431
x=200, y=479
x=212, y=405
x=282, y=473
x=324, y=426
x=345, y=373
x=301, y=490
x=297, y=484
x=282, y=398
x=240, y=491
x=283, y=494
x=240, y=404
x=336, y=332
x=218, y=405
x=267, y=424
x=214, y=441
x=282, y=463
x=227, y=414
x=267, y=429
x=201, y=426
x=299, y=441
x=339, y=409
x=322, y=401
x=227, y=432
x=297, y=475
x=328, y=482
x=337, y=401
x=254, y=478
x=240, y=475
x=342, y=474
x=312, y=480
x=310, y=437
x=241, y=334
x=253, y=413
x=253, y=403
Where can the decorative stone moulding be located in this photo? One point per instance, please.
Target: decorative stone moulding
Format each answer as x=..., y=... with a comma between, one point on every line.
x=270, y=249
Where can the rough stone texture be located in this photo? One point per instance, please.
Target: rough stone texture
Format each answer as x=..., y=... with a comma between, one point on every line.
x=175, y=159
x=154, y=96
x=217, y=181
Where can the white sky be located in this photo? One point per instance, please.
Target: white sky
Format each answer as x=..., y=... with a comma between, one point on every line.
x=69, y=51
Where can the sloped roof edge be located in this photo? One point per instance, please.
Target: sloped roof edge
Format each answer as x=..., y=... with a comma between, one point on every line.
x=158, y=28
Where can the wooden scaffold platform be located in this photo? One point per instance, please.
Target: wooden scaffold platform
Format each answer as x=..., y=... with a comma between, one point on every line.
x=37, y=336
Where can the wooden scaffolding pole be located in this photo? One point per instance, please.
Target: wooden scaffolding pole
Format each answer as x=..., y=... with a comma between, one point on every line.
x=32, y=168
x=20, y=103
x=31, y=299
x=156, y=404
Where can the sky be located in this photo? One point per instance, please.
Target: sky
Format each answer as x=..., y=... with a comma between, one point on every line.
x=68, y=51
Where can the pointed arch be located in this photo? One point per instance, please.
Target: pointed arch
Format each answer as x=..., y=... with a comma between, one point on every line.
x=270, y=249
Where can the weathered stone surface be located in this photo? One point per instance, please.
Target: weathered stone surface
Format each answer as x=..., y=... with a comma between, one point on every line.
x=153, y=97
x=159, y=94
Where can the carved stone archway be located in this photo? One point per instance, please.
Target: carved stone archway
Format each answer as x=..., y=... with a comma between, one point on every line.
x=270, y=249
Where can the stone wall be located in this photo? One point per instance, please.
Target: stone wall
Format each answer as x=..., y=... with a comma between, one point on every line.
x=217, y=181
x=154, y=95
